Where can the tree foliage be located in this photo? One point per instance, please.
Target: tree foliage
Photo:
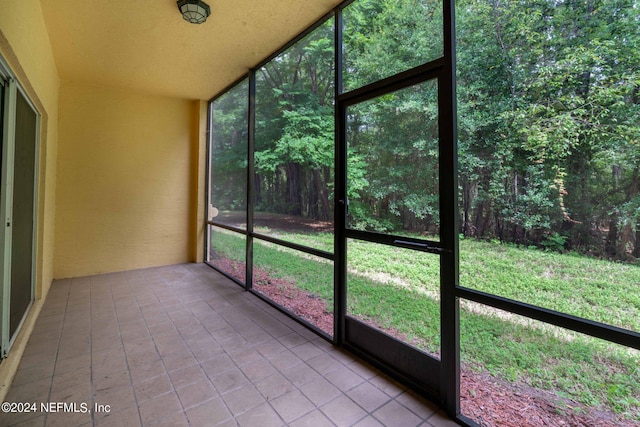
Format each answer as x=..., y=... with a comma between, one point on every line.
x=548, y=123
x=294, y=155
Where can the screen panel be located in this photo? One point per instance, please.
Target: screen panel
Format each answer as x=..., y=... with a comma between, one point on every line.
x=299, y=282
x=515, y=369
x=294, y=142
x=227, y=252
x=382, y=38
x=228, y=157
x=393, y=163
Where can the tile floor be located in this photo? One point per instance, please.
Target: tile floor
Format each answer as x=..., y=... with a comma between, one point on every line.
x=183, y=346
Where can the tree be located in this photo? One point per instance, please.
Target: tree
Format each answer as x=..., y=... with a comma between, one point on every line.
x=294, y=129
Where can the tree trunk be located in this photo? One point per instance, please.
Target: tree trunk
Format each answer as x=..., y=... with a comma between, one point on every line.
x=322, y=195
x=612, y=237
x=466, y=206
x=294, y=190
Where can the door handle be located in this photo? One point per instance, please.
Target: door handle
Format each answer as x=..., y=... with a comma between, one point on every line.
x=345, y=204
x=424, y=246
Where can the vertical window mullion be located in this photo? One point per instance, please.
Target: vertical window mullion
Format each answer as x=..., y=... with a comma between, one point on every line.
x=340, y=295
x=6, y=202
x=449, y=305
x=251, y=127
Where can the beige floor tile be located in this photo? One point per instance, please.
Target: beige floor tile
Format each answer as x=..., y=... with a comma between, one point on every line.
x=324, y=363
x=143, y=372
x=243, y=399
x=344, y=378
x=185, y=376
x=368, y=396
x=283, y=360
x=262, y=415
x=440, y=419
x=68, y=420
x=301, y=374
x=274, y=386
x=258, y=370
x=117, y=398
x=159, y=408
x=25, y=417
x=419, y=405
x=127, y=418
x=307, y=351
x=394, y=413
x=229, y=380
x=181, y=346
x=152, y=387
x=217, y=365
x=387, y=385
x=343, y=411
x=209, y=413
x=370, y=422
x=313, y=419
x=33, y=373
x=69, y=379
x=196, y=393
x=320, y=391
x=28, y=392
x=106, y=381
x=292, y=405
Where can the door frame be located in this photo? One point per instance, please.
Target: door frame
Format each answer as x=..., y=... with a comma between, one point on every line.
x=13, y=89
x=438, y=379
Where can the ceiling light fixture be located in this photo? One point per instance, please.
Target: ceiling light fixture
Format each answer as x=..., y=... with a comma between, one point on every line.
x=194, y=11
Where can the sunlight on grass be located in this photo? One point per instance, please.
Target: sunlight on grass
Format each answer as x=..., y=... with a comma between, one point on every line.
x=600, y=290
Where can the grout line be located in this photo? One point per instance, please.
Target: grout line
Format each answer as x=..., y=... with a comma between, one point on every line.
x=159, y=292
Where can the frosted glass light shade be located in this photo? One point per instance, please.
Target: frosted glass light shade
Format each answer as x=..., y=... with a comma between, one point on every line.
x=194, y=11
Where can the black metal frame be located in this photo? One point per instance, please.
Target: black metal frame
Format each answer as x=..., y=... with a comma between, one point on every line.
x=449, y=267
x=447, y=248
x=405, y=363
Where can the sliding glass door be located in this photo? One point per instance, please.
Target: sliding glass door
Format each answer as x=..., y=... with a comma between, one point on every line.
x=18, y=196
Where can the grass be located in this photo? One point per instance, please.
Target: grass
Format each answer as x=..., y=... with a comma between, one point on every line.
x=595, y=289
x=398, y=289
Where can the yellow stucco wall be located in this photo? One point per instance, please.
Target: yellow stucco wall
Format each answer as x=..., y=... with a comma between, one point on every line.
x=124, y=190
x=24, y=43
x=25, y=46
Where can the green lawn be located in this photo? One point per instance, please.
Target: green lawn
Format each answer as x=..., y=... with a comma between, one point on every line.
x=398, y=288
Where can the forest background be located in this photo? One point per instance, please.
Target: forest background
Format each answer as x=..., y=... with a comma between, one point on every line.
x=548, y=124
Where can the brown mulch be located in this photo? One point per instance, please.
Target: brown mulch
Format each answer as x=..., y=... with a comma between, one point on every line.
x=493, y=402
x=304, y=304
x=288, y=223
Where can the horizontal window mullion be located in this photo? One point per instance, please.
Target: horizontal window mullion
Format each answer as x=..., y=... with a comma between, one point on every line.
x=588, y=327
x=227, y=227
x=429, y=246
x=429, y=71
x=290, y=245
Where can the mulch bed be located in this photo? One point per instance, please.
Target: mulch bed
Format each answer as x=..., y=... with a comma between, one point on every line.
x=491, y=401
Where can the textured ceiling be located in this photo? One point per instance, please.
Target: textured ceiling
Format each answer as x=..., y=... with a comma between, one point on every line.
x=146, y=45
